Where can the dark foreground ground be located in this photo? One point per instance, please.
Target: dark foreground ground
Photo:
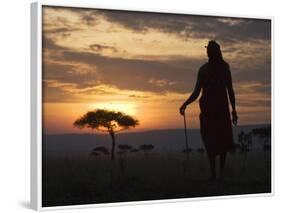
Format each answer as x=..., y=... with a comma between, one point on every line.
x=90, y=180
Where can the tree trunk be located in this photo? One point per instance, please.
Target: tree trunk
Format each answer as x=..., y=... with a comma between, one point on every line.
x=113, y=145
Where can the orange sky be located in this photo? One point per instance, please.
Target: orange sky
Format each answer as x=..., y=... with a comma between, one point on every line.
x=145, y=65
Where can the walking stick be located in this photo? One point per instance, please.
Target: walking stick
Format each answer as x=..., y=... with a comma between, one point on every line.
x=185, y=162
x=185, y=133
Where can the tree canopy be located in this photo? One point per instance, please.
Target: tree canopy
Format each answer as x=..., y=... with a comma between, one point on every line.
x=106, y=121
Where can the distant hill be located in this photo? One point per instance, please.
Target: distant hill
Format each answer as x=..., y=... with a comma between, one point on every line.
x=168, y=140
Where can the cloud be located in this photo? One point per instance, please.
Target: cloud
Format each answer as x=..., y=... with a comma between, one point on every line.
x=223, y=29
x=138, y=96
x=254, y=103
x=57, y=91
x=100, y=48
x=136, y=74
x=192, y=26
x=82, y=75
x=58, y=26
x=175, y=74
x=254, y=71
x=253, y=94
x=60, y=31
x=259, y=88
x=87, y=16
x=161, y=82
x=49, y=44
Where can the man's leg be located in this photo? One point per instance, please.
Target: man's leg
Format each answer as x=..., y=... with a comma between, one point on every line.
x=212, y=161
x=222, y=164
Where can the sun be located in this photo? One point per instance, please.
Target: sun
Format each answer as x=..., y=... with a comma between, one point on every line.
x=125, y=107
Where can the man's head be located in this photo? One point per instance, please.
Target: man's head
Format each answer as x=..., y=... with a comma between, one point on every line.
x=214, y=50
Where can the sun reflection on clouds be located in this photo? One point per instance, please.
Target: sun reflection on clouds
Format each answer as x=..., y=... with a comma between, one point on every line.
x=125, y=107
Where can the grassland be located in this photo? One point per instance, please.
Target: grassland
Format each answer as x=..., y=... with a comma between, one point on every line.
x=139, y=176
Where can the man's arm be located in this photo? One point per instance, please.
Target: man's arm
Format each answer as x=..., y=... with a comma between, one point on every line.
x=231, y=96
x=195, y=93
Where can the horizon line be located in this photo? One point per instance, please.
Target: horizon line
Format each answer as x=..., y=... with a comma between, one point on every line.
x=152, y=130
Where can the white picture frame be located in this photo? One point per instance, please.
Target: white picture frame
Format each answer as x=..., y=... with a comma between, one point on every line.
x=36, y=103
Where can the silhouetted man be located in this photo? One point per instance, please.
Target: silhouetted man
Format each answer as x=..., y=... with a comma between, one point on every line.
x=214, y=79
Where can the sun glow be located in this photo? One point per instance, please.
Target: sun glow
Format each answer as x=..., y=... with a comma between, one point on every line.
x=125, y=107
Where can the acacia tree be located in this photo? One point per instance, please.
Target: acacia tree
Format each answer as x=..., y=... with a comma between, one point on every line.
x=99, y=150
x=106, y=121
x=264, y=135
x=146, y=148
x=124, y=148
x=245, y=141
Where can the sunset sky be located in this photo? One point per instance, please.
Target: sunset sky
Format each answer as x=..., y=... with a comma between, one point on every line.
x=146, y=65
